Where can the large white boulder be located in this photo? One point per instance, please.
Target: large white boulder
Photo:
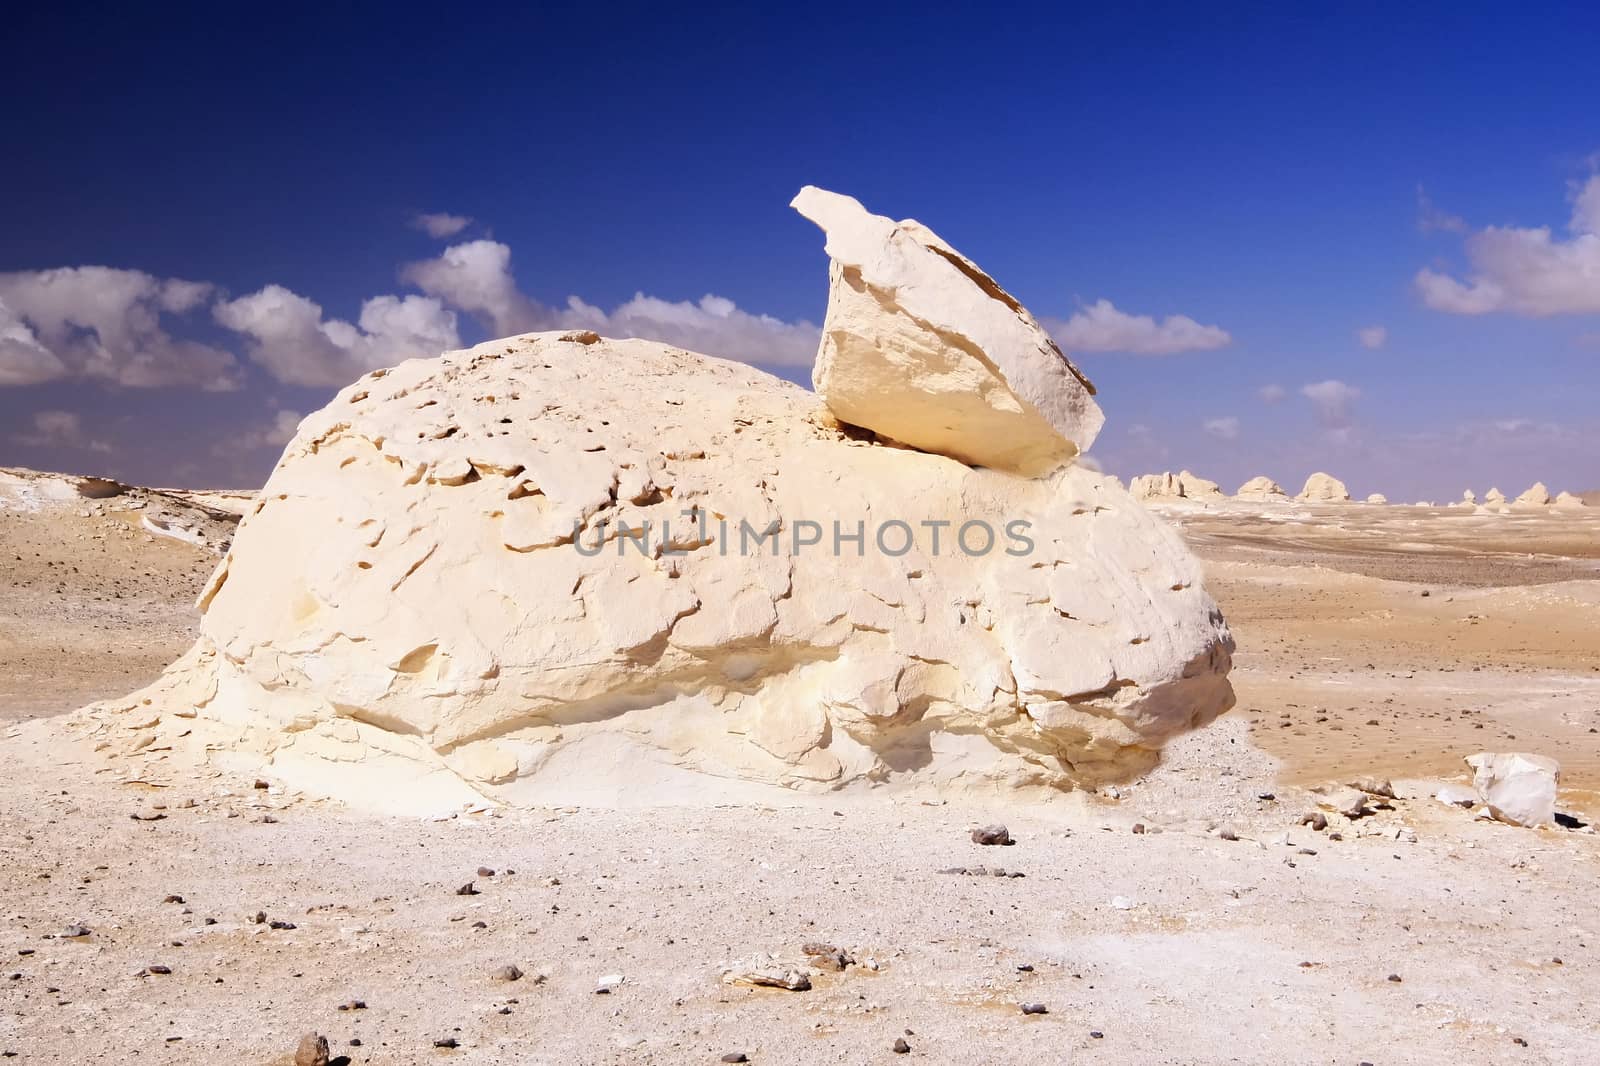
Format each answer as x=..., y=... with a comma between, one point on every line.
x=1324, y=488
x=922, y=347
x=436, y=600
x=1260, y=488
x=1516, y=787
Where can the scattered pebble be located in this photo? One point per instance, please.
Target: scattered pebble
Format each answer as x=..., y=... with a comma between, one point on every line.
x=900, y=1046
x=468, y=889
x=447, y=1042
x=991, y=835
x=607, y=984
x=1035, y=1008
x=736, y=1056
x=508, y=973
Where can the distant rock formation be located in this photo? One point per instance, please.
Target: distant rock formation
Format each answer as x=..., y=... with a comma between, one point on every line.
x=1567, y=501
x=1536, y=496
x=1494, y=496
x=1323, y=488
x=1377, y=497
x=1260, y=488
x=524, y=572
x=1169, y=486
x=204, y=519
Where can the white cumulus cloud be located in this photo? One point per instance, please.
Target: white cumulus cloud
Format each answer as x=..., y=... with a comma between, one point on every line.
x=1527, y=271
x=1373, y=337
x=104, y=323
x=289, y=336
x=476, y=278
x=1100, y=327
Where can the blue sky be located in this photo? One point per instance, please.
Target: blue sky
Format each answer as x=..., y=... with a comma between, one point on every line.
x=1282, y=180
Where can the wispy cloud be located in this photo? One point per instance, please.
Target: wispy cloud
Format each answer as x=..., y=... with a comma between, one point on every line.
x=1271, y=394
x=1430, y=219
x=1222, y=428
x=59, y=429
x=1334, y=402
x=1372, y=337
x=1100, y=327
x=441, y=226
x=1527, y=271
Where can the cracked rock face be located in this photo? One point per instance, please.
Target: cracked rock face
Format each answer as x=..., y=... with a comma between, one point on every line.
x=922, y=347
x=433, y=603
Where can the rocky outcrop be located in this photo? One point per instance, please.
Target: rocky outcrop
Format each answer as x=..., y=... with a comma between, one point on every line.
x=1567, y=501
x=1517, y=788
x=1377, y=497
x=561, y=569
x=1169, y=486
x=204, y=519
x=1536, y=496
x=1494, y=496
x=1323, y=488
x=1260, y=488
x=922, y=347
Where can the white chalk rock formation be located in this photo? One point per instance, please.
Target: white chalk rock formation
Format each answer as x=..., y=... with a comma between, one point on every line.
x=1517, y=788
x=1169, y=486
x=1494, y=496
x=561, y=569
x=1260, y=488
x=1377, y=497
x=1323, y=488
x=407, y=618
x=922, y=347
x=1536, y=496
x=1567, y=501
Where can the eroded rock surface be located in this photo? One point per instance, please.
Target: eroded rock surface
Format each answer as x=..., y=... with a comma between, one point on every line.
x=922, y=347
x=433, y=600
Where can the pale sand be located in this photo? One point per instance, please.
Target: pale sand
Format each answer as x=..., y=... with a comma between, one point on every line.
x=1204, y=965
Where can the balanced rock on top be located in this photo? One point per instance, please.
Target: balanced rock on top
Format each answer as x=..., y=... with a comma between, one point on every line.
x=922, y=347
x=557, y=568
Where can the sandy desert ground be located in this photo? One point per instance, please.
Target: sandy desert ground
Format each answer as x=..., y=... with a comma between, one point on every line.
x=220, y=921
